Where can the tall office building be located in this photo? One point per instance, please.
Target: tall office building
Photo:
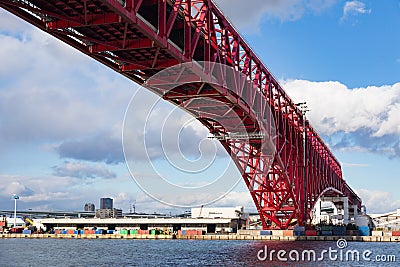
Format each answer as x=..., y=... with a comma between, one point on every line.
x=106, y=203
x=89, y=207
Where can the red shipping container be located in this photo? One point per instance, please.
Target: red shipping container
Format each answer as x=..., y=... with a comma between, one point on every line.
x=395, y=233
x=57, y=232
x=199, y=232
x=179, y=232
x=311, y=232
x=2, y=223
x=70, y=232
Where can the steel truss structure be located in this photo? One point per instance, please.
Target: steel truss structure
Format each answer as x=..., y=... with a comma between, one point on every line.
x=138, y=38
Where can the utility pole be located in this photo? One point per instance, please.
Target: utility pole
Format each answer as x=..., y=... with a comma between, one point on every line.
x=304, y=109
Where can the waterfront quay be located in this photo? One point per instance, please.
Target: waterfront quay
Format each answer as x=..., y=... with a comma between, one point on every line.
x=207, y=237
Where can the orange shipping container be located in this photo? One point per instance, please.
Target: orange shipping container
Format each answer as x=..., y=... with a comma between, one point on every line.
x=287, y=232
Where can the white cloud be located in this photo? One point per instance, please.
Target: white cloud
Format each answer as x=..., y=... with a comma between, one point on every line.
x=378, y=201
x=352, y=8
x=83, y=170
x=247, y=14
x=334, y=107
x=11, y=24
x=362, y=119
x=354, y=165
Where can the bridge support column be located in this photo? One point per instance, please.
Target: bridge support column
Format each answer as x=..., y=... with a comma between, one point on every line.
x=345, y=210
x=355, y=212
x=317, y=212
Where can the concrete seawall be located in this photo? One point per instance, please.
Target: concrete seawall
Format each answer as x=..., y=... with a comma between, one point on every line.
x=209, y=237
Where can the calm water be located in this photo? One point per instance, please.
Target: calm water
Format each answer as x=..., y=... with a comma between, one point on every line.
x=83, y=252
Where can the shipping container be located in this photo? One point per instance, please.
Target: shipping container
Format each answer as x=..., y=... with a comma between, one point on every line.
x=377, y=233
x=326, y=228
x=265, y=232
x=299, y=233
x=339, y=230
x=287, y=232
x=395, y=233
x=311, y=232
x=299, y=229
x=27, y=232
x=277, y=232
x=363, y=231
x=326, y=233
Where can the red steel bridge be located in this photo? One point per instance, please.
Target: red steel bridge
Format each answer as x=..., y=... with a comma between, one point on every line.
x=139, y=38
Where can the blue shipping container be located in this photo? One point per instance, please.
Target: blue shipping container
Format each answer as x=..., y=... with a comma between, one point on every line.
x=299, y=233
x=339, y=230
x=299, y=229
x=326, y=233
x=110, y=231
x=27, y=232
x=363, y=231
x=265, y=232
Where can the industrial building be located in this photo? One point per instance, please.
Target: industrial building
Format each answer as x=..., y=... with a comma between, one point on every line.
x=229, y=220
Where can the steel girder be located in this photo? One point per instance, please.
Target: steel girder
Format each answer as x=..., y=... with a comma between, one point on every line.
x=138, y=38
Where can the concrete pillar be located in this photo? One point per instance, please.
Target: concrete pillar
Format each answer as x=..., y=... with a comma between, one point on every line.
x=317, y=211
x=355, y=212
x=346, y=210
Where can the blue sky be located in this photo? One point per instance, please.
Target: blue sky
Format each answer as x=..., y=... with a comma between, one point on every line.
x=61, y=113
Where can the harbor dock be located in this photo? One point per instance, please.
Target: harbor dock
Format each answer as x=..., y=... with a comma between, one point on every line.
x=207, y=237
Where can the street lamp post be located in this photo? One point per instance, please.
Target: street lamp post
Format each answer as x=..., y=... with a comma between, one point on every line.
x=15, y=197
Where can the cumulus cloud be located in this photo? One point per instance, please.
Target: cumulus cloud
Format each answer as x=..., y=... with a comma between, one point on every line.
x=36, y=191
x=83, y=170
x=378, y=201
x=352, y=8
x=248, y=14
x=101, y=147
x=363, y=119
x=62, y=94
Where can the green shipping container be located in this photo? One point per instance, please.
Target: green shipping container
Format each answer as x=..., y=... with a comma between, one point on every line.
x=153, y=232
x=133, y=232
